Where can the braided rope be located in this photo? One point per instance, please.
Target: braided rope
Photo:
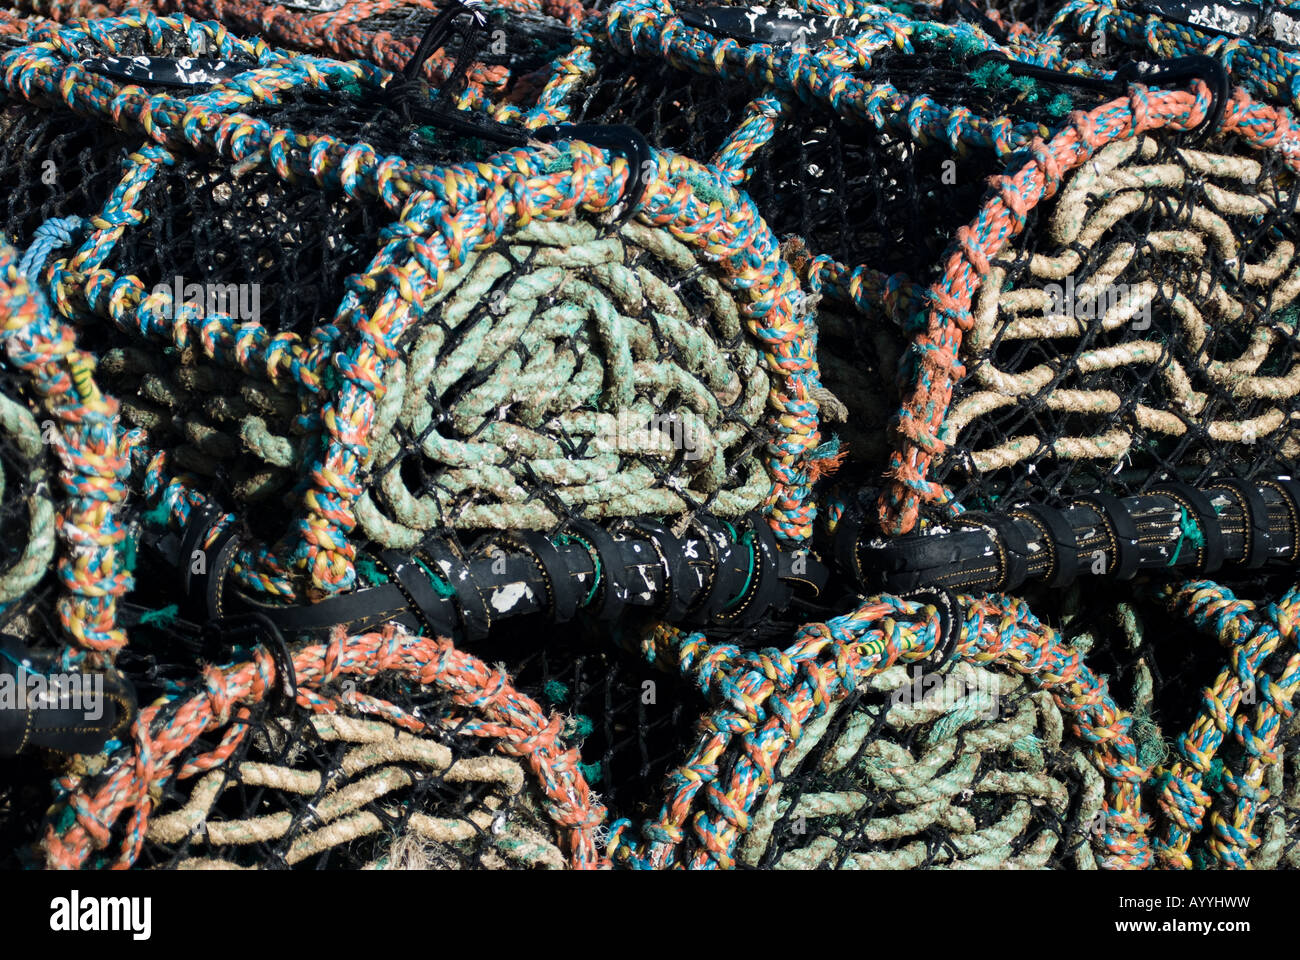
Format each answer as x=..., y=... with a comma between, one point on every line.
x=344, y=33
x=90, y=566
x=39, y=543
x=1251, y=636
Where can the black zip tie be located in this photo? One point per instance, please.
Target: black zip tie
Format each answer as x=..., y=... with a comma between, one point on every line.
x=436, y=35
x=457, y=121
x=1168, y=73
x=219, y=635
x=618, y=138
x=952, y=618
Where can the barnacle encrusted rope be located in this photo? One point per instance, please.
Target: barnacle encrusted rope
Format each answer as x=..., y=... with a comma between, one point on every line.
x=91, y=566
x=765, y=698
x=443, y=215
x=936, y=352
x=223, y=701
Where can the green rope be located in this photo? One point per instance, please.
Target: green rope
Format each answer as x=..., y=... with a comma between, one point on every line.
x=38, y=550
x=162, y=617
x=1188, y=530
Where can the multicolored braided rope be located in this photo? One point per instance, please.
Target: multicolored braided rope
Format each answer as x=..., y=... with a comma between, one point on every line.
x=92, y=565
x=1251, y=636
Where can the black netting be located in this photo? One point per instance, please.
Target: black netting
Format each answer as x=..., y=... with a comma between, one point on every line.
x=54, y=165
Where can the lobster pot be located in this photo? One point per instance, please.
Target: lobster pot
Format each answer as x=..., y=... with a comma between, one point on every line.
x=969, y=770
x=863, y=150
x=572, y=367
x=1144, y=330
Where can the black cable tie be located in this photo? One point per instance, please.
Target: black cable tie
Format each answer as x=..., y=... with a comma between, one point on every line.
x=952, y=620
x=476, y=618
x=1290, y=491
x=618, y=138
x=565, y=595
x=435, y=610
x=678, y=595
x=1175, y=72
x=728, y=575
